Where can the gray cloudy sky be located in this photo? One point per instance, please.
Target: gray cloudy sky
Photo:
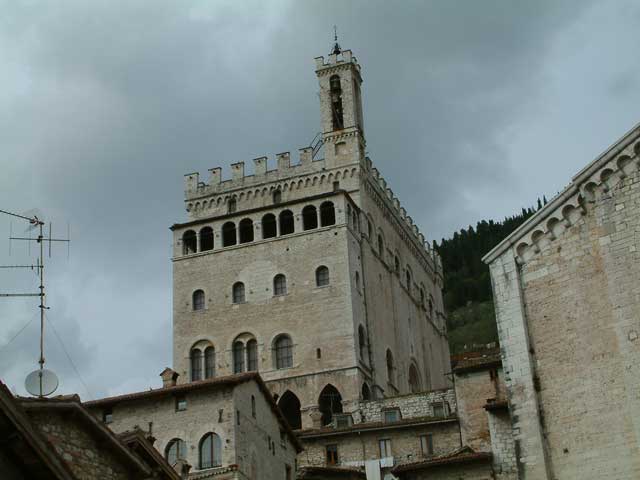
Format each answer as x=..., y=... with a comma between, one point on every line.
x=472, y=110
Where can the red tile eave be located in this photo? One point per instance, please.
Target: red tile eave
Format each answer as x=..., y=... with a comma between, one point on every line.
x=437, y=462
x=404, y=423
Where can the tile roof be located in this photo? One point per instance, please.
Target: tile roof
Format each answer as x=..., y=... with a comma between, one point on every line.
x=460, y=456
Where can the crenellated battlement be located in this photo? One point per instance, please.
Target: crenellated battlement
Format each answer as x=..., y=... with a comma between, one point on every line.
x=344, y=58
x=194, y=188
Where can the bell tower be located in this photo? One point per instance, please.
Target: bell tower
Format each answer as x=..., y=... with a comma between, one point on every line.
x=341, y=107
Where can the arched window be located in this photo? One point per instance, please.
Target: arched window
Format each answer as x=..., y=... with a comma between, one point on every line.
x=390, y=367
x=396, y=264
x=309, y=217
x=210, y=451
x=362, y=342
x=238, y=292
x=283, y=350
x=189, y=242
x=327, y=214
x=408, y=275
x=329, y=403
x=290, y=406
x=206, y=239
x=269, y=229
x=336, y=103
x=279, y=284
x=380, y=245
x=366, y=392
x=228, y=234
x=277, y=196
x=232, y=206
x=246, y=230
x=209, y=362
x=252, y=355
x=196, y=364
x=322, y=276
x=198, y=300
x=286, y=222
x=238, y=356
x=176, y=450
x=422, y=296
x=414, y=379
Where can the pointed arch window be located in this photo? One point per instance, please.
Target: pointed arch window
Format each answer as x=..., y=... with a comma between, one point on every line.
x=322, y=276
x=290, y=406
x=209, y=362
x=329, y=403
x=366, y=392
x=196, y=364
x=283, y=349
x=198, y=300
x=238, y=292
x=210, y=451
x=362, y=342
x=176, y=450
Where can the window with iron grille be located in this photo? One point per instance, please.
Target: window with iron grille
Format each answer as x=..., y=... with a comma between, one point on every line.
x=238, y=292
x=322, y=276
x=280, y=285
x=284, y=352
x=252, y=356
x=209, y=362
x=238, y=357
x=198, y=300
x=196, y=364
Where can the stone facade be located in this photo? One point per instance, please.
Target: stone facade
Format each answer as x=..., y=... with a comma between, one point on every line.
x=502, y=444
x=567, y=306
x=375, y=328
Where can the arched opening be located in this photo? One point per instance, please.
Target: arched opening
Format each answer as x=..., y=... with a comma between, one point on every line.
x=336, y=102
x=414, y=379
x=366, y=392
x=408, y=279
x=252, y=355
x=196, y=364
x=396, y=264
x=189, y=242
x=238, y=356
x=198, y=300
x=209, y=362
x=290, y=406
x=206, y=239
x=362, y=342
x=390, y=367
x=210, y=451
x=228, y=234
x=329, y=403
x=238, y=292
x=232, y=205
x=269, y=229
x=380, y=245
x=322, y=276
x=279, y=284
x=327, y=214
x=277, y=196
x=286, y=222
x=309, y=217
x=246, y=230
x=176, y=450
x=283, y=352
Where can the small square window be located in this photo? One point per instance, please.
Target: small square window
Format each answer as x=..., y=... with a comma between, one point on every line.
x=107, y=415
x=343, y=421
x=181, y=404
x=332, y=454
x=439, y=410
x=392, y=415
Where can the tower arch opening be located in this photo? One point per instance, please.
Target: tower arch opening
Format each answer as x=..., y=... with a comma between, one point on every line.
x=290, y=406
x=329, y=403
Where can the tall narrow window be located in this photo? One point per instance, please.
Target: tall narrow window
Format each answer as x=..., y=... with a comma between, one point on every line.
x=210, y=451
x=322, y=276
x=246, y=230
x=396, y=264
x=176, y=450
x=238, y=292
x=229, y=234
x=252, y=356
x=206, y=239
x=290, y=406
x=332, y=454
x=408, y=275
x=209, y=362
x=327, y=214
x=336, y=102
x=309, y=217
x=253, y=406
x=366, y=392
x=390, y=367
x=277, y=196
x=284, y=352
x=329, y=403
x=414, y=379
x=286, y=222
x=189, y=242
x=198, y=300
x=196, y=364
x=385, y=448
x=279, y=284
x=426, y=444
x=269, y=229
x=380, y=246
x=362, y=342
x=232, y=206
x=238, y=357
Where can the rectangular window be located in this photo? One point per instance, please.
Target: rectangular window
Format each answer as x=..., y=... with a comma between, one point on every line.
x=332, y=454
x=385, y=448
x=426, y=444
x=107, y=415
x=238, y=417
x=438, y=410
x=343, y=421
x=392, y=415
x=181, y=404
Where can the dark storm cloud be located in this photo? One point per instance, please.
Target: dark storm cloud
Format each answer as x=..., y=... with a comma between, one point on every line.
x=472, y=109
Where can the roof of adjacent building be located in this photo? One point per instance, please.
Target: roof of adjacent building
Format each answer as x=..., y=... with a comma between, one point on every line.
x=331, y=472
x=458, y=457
x=474, y=361
x=226, y=382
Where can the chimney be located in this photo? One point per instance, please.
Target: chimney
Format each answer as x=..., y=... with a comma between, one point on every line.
x=169, y=378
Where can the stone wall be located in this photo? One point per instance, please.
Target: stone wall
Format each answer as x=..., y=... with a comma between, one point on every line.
x=502, y=445
x=474, y=471
x=411, y=406
x=86, y=457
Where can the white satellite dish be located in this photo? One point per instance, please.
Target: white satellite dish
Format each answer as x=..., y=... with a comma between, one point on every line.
x=41, y=383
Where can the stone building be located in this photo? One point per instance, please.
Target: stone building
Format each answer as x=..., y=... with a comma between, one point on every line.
x=59, y=439
x=567, y=297
x=310, y=273
x=224, y=428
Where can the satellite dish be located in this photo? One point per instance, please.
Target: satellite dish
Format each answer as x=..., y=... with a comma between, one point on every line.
x=41, y=383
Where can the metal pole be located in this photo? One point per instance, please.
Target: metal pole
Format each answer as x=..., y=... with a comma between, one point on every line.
x=42, y=302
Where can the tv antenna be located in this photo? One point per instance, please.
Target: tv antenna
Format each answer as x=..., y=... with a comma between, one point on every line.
x=40, y=382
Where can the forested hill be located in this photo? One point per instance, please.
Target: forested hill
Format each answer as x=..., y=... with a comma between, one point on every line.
x=467, y=285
